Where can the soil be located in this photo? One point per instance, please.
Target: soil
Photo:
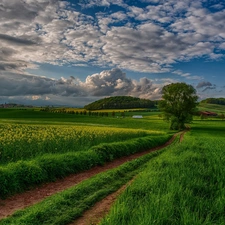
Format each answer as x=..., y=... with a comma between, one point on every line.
x=100, y=209
x=28, y=198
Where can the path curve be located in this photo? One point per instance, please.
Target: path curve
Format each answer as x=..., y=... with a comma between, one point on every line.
x=20, y=201
x=95, y=214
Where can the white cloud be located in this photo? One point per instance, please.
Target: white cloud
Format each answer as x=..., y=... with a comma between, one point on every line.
x=35, y=97
x=107, y=83
x=149, y=39
x=52, y=32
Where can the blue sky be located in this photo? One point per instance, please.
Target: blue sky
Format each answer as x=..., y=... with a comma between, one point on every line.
x=75, y=52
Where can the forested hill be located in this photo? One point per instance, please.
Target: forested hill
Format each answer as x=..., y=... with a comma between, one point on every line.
x=219, y=101
x=120, y=102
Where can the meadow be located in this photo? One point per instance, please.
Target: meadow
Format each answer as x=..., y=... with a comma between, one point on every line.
x=180, y=184
x=212, y=107
x=184, y=185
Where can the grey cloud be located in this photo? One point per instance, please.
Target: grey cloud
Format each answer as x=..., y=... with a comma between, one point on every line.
x=16, y=40
x=18, y=66
x=16, y=85
x=107, y=83
x=208, y=88
x=24, y=11
x=204, y=84
x=8, y=66
x=105, y=3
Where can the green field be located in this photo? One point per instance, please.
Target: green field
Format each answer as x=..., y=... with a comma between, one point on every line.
x=181, y=184
x=35, y=144
x=184, y=185
x=211, y=107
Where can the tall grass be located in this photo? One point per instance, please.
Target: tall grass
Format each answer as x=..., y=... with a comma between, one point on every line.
x=66, y=206
x=184, y=185
x=19, y=176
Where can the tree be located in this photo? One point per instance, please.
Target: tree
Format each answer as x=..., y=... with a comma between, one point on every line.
x=222, y=116
x=178, y=104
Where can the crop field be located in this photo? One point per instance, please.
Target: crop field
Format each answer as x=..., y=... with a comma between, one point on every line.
x=33, y=145
x=20, y=142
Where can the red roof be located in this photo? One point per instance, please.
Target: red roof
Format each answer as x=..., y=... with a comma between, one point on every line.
x=207, y=113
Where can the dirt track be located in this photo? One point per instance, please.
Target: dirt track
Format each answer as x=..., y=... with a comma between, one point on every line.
x=20, y=201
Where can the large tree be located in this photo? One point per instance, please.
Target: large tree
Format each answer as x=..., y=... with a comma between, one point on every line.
x=178, y=104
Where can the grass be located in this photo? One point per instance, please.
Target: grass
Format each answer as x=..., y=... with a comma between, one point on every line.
x=184, y=185
x=212, y=107
x=23, y=174
x=66, y=206
x=35, y=144
x=151, y=121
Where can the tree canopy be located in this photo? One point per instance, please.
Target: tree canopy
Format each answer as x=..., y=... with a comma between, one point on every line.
x=178, y=104
x=120, y=102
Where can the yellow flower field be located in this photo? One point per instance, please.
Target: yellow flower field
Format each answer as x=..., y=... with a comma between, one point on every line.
x=18, y=142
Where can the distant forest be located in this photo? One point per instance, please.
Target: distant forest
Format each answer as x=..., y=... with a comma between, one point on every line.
x=121, y=102
x=219, y=101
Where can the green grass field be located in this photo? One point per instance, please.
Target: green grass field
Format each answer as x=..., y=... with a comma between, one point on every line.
x=181, y=184
x=211, y=107
x=184, y=185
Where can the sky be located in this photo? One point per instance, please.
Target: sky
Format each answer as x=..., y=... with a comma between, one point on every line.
x=72, y=53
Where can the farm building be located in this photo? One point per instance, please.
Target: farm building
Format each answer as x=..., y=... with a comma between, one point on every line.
x=137, y=116
x=207, y=113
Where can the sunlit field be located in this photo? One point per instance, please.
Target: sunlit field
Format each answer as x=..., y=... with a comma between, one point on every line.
x=184, y=185
x=180, y=184
x=35, y=144
x=212, y=107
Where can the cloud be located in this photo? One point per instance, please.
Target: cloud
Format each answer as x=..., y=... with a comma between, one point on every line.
x=209, y=88
x=204, y=84
x=15, y=40
x=179, y=72
x=114, y=82
x=93, y=33
x=107, y=83
x=144, y=39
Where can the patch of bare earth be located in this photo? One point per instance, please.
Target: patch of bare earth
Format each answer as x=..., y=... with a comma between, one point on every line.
x=99, y=210
x=28, y=198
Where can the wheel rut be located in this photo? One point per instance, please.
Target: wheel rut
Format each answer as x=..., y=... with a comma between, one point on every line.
x=20, y=201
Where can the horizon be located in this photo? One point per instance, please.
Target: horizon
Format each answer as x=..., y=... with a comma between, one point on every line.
x=72, y=54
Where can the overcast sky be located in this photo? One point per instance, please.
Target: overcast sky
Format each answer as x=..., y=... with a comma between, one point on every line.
x=75, y=52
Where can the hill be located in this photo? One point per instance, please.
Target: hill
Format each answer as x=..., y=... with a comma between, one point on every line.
x=121, y=102
x=218, y=101
x=211, y=107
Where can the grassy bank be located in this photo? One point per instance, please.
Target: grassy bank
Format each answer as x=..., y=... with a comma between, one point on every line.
x=68, y=205
x=184, y=185
x=22, y=175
